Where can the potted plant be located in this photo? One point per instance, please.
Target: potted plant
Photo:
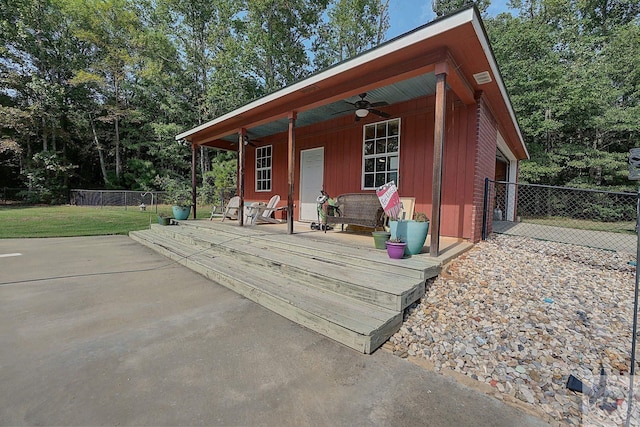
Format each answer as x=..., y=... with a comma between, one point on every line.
x=179, y=195
x=380, y=238
x=395, y=248
x=413, y=232
x=164, y=219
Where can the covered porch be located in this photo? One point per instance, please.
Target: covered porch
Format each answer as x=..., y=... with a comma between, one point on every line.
x=425, y=110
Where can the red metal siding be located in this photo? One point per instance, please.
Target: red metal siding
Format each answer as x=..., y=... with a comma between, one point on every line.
x=464, y=162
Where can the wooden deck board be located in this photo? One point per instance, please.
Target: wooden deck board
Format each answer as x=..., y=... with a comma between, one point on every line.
x=313, y=244
x=388, y=290
x=344, y=289
x=347, y=269
x=326, y=312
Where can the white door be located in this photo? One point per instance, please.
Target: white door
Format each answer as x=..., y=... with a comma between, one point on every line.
x=311, y=179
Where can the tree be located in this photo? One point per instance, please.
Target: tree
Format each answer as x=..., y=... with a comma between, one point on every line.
x=112, y=30
x=274, y=34
x=38, y=54
x=444, y=7
x=354, y=26
x=574, y=88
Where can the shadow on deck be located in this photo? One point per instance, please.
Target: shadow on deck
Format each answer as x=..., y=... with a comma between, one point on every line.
x=335, y=283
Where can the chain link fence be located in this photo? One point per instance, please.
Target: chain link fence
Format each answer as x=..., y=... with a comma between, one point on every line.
x=127, y=199
x=594, y=218
x=140, y=199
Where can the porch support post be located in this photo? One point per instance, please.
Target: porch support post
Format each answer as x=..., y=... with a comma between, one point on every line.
x=242, y=133
x=291, y=151
x=193, y=178
x=438, y=150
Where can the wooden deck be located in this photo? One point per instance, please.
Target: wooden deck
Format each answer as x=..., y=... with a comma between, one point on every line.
x=335, y=283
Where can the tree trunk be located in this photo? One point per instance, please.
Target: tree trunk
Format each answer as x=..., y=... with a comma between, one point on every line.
x=117, y=129
x=205, y=162
x=54, y=148
x=103, y=166
x=45, y=145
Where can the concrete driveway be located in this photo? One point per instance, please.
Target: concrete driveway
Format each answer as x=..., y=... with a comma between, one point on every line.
x=103, y=331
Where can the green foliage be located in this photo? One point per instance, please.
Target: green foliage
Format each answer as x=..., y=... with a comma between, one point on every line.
x=572, y=74
x=354, y=26
x=276, y=32
x=444, y=7
x=46, y=175
x=107, y=84
x=420, y=217
x=178, y=192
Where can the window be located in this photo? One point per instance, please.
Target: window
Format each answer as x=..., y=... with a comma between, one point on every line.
x=263, y=168
x=381, y=153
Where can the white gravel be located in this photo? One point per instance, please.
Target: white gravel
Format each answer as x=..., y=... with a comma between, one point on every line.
x=521, y=315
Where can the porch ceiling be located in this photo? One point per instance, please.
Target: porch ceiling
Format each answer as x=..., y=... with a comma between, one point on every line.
x=419, y=86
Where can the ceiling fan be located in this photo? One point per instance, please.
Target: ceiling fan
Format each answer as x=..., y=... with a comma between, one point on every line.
x=247, y=141
x=362, y=107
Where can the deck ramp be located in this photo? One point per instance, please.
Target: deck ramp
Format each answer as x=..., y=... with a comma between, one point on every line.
x=353, y=294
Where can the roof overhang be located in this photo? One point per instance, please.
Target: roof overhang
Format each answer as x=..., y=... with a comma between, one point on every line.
x=398, y=70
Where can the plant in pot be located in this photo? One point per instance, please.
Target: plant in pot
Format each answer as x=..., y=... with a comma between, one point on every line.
x=395, y=248
x=413, y=232
x=380, y=238
x=179, y=195
x=164, y=219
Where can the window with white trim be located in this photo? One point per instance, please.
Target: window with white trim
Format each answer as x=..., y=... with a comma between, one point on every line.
x=381, y=153
x=263, y=168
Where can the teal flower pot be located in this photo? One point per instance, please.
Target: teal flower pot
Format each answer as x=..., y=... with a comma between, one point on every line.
x=181, y=212
x=412, y=232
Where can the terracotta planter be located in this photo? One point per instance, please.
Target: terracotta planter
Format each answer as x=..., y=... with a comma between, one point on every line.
x=396, y=250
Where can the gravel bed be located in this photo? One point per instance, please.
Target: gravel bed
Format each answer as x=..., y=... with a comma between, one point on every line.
x=521, y=315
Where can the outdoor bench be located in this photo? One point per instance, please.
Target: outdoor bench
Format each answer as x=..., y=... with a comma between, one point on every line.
x=362, y=209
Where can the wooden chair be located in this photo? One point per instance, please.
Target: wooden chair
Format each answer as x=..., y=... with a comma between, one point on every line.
x=231, y=210
x=261, y=213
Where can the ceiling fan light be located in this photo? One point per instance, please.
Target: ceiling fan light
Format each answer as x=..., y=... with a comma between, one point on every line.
x=362, y=112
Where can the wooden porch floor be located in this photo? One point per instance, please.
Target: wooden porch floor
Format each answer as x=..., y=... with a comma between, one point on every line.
x=335, y=283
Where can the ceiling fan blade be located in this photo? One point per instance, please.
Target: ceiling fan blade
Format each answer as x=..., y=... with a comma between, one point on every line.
x=379, y=104
x=380, y=113
x=342, y=112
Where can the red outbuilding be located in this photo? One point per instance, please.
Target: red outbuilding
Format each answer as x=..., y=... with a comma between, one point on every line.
x=428, y=110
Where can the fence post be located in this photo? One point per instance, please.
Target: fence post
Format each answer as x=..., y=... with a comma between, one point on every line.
x=101, y=199
x=485, y=206
x=125, y=200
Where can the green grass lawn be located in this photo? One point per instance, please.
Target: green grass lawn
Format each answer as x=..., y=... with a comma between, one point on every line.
x=66, y=221
x=626, y=227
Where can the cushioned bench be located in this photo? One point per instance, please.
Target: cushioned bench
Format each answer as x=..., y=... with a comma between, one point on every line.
x=362, y=209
